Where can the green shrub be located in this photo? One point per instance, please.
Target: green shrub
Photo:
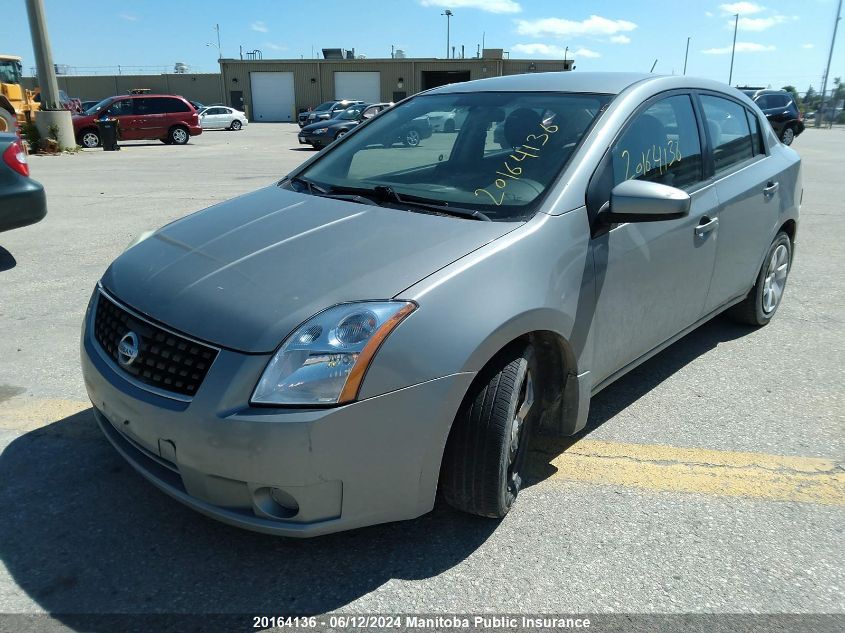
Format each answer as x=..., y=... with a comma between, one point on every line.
x=31, y=135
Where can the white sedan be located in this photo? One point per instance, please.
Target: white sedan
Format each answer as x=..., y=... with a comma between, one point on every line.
x=222, y=118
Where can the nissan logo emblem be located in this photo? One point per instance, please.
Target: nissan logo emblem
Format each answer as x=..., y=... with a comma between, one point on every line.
x=127, y=349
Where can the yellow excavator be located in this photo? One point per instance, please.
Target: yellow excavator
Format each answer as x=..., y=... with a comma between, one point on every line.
x=17, y=104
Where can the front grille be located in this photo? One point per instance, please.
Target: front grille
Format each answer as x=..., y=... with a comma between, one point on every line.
x=165, y=360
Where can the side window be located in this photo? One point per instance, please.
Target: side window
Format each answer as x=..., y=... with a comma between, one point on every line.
x=169, y=104
x=729, y=132
x=661, y=144
x=756, y=133
x=144, y=107
x=780, y=101
x=120, y=108
x=763, y=102
x=369, y=113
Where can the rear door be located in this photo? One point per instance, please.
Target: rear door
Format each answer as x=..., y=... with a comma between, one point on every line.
x=172, y=111
x=652, y=278
x=748, y=190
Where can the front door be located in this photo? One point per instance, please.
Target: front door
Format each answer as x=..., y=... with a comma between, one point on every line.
x=127, y=125
x=652, y=278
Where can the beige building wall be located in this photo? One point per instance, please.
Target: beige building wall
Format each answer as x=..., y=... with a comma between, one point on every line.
x=203, y=87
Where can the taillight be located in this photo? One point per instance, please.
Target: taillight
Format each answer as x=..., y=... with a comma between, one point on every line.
x=15, y=157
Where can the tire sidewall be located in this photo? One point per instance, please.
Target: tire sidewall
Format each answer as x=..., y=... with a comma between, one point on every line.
x=236, y=125
x=86, y=133
x=173, y=133
x=761, y=316
x=787, y=136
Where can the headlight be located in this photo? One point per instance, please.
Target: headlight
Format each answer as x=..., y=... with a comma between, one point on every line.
x=322, y=130
x=325, y=359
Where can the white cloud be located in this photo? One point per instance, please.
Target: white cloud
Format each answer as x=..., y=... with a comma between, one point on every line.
x=709, y=14
x=259, y=26
x=756, y=24
x=808, y=46
x=741, y=47
x=491, y=6
x=128, y=17
x=552, y=50
x=746, y=8
x=620, y=39
x=275, y=47
x=594, y=25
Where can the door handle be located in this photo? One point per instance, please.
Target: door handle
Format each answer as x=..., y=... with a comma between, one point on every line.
x=771, y=188
x=705, y=226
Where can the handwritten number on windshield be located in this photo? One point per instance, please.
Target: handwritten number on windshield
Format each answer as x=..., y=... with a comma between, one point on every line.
x=520, y=154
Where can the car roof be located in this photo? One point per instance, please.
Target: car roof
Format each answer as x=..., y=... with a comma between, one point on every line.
x=145, y=96
x=588, y=82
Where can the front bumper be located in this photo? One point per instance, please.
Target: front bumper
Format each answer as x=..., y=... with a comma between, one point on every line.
x=316, y=140
x=369, y=462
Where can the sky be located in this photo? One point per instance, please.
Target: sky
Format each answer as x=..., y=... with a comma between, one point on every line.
x=778, y=42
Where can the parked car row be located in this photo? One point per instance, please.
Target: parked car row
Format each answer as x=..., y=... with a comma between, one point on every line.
x=322, y=133
x=169, y=118
x=324, y=111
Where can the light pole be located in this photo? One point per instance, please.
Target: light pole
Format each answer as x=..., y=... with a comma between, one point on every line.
x=827, y=70
x=733, y=49
x=448, y=15
x=686, y=55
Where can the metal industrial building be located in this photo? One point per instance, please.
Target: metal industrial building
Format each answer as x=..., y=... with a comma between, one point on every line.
x=276, y=89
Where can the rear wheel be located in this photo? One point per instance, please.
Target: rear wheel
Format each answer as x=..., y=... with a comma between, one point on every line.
x=483, y=463
x=89, y=139
x=178, y=135
x=236, y=125
x=412, y=138
x=788, y=135
x=762, y=302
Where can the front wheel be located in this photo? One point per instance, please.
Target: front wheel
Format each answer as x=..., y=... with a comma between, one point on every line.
x=762, y=302
x=787, y=136
x=236, y=125
x=483, y=465
x=178, y=135
x=89, y=139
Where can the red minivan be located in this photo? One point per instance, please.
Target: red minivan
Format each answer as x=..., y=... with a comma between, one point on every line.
x=168, y=118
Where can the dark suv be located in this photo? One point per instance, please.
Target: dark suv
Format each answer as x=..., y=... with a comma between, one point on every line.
x=781, y=111
x=168, y=118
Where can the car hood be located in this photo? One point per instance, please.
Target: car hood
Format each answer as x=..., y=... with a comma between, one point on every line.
x=243, y=274
x=319, y=125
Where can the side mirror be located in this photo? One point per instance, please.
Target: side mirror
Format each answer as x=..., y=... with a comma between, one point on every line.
x=643, y=201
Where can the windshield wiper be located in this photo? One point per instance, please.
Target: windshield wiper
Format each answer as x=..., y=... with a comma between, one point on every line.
x=387, y=194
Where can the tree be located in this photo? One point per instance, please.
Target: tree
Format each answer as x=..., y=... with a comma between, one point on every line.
x=811, y=98
x=791, y=90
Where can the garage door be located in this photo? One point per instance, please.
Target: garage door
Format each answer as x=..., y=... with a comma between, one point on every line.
x=365, y=86
x=273, y=96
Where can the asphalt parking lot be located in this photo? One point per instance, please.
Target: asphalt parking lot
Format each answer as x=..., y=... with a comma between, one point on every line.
x=710, y=479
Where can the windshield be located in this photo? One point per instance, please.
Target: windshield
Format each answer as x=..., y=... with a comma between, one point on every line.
x=10, y=71
x=508, y=150
x=99, y=106
x=350, y=114
x=324, y=106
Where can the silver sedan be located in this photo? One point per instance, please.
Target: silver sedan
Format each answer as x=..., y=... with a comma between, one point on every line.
x=328, y=352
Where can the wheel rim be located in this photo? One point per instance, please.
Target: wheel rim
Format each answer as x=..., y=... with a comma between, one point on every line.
x=413, y=138
x=788, y=136
x=89, y=139
x=775, y=279
x=236, y=125
x=517, y=446
x=179, y=135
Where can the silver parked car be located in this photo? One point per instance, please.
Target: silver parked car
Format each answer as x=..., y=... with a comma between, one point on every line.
x=325, y=353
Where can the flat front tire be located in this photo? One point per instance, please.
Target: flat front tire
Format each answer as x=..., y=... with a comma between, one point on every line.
x=762, y=302
x=485, y=454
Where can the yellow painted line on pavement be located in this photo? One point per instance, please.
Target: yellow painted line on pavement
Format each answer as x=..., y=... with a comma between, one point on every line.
x=695, y=470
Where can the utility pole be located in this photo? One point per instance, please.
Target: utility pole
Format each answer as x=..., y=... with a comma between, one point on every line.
x=51, y=115
x=448, y=15
x=827, y=70
x=733, y=49
x=686, y=56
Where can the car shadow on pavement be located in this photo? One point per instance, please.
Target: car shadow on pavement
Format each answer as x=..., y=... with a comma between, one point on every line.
x=82, y=533
x=7, y=260
x=631, y=387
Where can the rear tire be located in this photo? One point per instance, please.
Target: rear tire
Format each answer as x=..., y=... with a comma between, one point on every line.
x=236, y=125
x=483, y=462
x=8, y=121
x=788, y=135
x=178, y=135
x=762, y=302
